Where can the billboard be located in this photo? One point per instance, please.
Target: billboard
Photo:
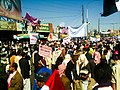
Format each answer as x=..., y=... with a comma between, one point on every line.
x=11, y=9
x=4, y=25
x=46, y=27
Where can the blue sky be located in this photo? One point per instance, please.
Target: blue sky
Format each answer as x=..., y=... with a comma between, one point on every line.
x=69, y=13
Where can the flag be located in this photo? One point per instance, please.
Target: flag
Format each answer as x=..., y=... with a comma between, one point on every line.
x=54, y=82
x=110, y=7
x=34, y=21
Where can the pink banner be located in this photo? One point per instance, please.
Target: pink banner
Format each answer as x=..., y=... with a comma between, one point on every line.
x=45, y=51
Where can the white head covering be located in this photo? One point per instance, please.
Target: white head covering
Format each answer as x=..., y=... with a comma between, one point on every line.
x=67, y=59
x=82, y=59
x=84, y=71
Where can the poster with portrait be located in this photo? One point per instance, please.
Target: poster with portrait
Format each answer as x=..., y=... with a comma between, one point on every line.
x=11, y=9
x=33, y=38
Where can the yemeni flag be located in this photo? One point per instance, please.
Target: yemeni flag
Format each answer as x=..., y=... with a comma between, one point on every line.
x=54, y=82
x=110, y=7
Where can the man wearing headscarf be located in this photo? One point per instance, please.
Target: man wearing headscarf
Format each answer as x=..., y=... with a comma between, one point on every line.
x=85, y=82
x=64, y=78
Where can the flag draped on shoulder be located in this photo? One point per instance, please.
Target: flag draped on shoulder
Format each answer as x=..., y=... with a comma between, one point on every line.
x=110, y=7
x=54, y=82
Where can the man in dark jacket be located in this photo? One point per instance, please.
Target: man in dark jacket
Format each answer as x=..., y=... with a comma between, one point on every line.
x=25, y=69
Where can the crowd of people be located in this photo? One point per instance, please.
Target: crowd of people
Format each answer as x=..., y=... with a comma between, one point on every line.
x=76, y=65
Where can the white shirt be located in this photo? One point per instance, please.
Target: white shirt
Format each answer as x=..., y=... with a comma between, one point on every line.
x=85, y=85
x=45, y=87
x=105, y=88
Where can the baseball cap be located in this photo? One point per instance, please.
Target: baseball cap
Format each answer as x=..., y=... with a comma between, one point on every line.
x=42, y=77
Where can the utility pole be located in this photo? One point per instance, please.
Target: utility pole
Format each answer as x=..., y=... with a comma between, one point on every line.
x=98, y=25
x=87, y=14
x=82, y=14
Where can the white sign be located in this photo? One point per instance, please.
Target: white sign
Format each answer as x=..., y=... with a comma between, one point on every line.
x=33, y=38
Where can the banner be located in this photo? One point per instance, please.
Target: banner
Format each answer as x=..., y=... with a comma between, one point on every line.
x=79, y=32
x=45, y=51
x=11, y=9
x=33, y=38
x=110, y=7
x=21, y=36
x=4, y=25
x=66, y=40
x=105, y=32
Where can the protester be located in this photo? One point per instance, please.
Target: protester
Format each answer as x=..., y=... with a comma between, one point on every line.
x=85, y=82
x=87, y=53
x=103, y=76
x=116, y=73
x=12, y=56
x=41, y=80
x=41, y=68
x=17, y=58
x=76, y=53
x=65, y=80
x=68, y=62
x=25, y=71
x=92, y=65
x=3, y=78
x=35, y=57
x=67, y=59
x=55, y=55
x=60, y=58
x=54, y=82
x=97, y=56
x=81, y=62
x=15, y=80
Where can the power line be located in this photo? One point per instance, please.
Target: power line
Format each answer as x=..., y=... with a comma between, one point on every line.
x=37, y=9
x=58, y=17
x=76, y=20
x=55, y=4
